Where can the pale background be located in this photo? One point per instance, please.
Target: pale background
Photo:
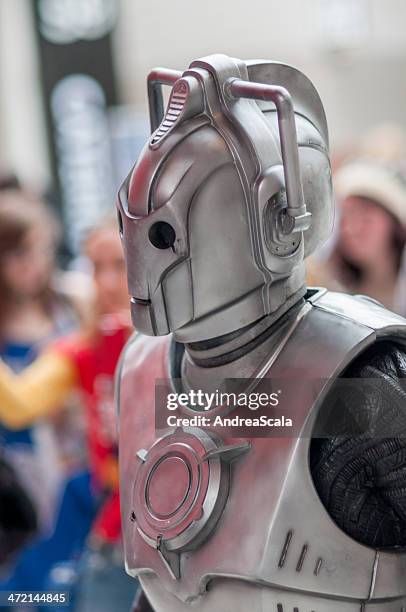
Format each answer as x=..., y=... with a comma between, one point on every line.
x=353, y=50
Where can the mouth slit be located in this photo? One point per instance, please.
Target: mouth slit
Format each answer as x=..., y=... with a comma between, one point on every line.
x=140, y=301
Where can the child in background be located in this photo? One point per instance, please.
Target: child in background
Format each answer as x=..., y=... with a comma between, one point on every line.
x=33, y=313
x=85, y=361
x=370, y=238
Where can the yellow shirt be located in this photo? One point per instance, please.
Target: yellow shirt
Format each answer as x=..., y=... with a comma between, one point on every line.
x=37, y=391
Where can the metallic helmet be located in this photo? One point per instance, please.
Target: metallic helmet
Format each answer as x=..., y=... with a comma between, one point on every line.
x=230, y=194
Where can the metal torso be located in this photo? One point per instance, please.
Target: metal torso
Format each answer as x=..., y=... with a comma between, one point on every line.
x=261, y=539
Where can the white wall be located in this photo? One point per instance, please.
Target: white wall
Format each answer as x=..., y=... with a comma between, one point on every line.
x=23, y=147
x=353, y=50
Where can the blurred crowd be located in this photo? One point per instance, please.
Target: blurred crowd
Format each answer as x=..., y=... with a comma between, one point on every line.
x=61, y=336
x=366, y=253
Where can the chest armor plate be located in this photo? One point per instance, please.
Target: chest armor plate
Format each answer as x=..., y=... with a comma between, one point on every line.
x=253, y=527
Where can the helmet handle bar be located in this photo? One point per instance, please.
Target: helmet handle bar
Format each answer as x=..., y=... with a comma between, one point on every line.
x=155, y=80
x=297, y=217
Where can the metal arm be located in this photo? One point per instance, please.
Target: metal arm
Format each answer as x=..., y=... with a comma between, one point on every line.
x=298, y=217
x=155, y=80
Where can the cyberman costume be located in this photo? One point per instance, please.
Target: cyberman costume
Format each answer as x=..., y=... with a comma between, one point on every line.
x=228, y=197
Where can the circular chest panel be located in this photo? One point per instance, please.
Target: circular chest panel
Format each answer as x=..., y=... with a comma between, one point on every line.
x=168, y=486
x=180, y=490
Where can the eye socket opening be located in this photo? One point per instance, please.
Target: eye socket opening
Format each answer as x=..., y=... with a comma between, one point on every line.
x=162, y=235
x=120, y=223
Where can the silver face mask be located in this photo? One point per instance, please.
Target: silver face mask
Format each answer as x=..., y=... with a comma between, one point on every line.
x=228, y=197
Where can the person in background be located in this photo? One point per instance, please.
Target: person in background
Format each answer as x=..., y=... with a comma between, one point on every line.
x=34, y=311
x=370, y=238
x=86, y=361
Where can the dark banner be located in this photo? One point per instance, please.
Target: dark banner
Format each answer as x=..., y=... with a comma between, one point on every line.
x=74, y=38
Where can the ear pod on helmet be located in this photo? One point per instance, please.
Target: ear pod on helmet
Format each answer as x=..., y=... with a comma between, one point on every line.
x=282, y=246
x=295, y=218
x=279, y=239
